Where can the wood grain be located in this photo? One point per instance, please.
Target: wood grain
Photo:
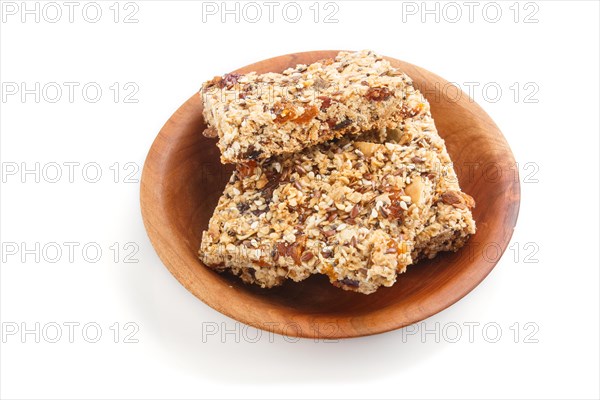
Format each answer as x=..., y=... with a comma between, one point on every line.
x=182, y=180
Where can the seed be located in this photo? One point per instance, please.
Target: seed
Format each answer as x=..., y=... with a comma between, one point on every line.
x=354, y=212
x=327, y=253
x=282, y=249
x=307, y=256
x=300, y=170
x=329, y=232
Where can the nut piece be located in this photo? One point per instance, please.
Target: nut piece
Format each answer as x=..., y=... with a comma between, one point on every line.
x=262, y=181
x=368, y=149
x=210, y=132
x=213, y=232
x=458, y=199
x=398, y=136
x=469, y=200
x=415, y=189
x=393, y=135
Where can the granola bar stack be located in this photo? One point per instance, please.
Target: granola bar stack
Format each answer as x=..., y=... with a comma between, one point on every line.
x=339, y=171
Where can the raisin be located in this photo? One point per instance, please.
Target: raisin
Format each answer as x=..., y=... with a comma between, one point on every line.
x=308, y=114
x=326, y=102
x=345, y=123
x=229, y=80
x=273, y=181
x=252, y=153
x=378, y=94
x=267, y=194
x=246, y=169
x=242, y=207
x=349, y=282
x=284, y=112
x=395, y=210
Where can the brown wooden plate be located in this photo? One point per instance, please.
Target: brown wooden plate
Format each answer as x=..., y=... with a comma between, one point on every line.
x=183, y=179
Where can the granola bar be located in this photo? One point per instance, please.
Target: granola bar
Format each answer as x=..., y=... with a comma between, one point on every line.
x=448, y=223
x=257, y=116
x=349, y=210
x=448, y=226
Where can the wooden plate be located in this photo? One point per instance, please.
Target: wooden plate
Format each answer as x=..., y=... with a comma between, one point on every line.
x=183, y=179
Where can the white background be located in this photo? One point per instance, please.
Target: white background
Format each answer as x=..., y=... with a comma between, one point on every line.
x=167, y=54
